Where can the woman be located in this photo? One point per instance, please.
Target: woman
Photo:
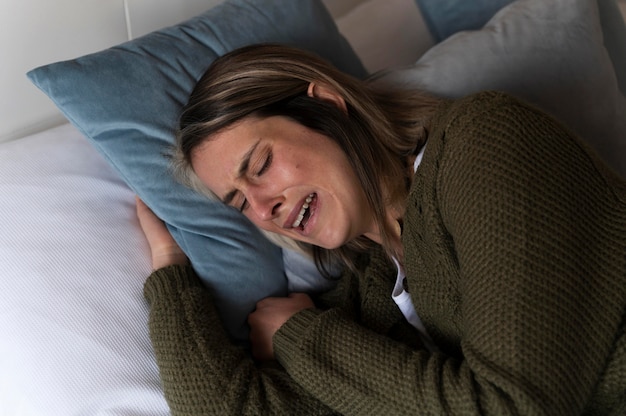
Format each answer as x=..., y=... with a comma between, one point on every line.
x=484, y=247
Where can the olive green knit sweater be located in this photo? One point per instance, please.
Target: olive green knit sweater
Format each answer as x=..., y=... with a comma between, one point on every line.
x=515, y=253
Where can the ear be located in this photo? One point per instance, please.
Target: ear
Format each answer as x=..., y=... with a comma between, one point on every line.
x=328, y=94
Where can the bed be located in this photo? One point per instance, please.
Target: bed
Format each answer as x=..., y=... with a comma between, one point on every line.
x=91, y=93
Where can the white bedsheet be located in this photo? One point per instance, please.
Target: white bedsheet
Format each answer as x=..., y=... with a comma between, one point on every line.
x=72, y=317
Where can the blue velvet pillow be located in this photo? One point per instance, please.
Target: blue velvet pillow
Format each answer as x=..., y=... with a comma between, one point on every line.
x=446, y=17
x=127, y=100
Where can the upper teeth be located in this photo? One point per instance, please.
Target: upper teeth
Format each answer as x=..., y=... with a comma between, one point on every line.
x=305, y=206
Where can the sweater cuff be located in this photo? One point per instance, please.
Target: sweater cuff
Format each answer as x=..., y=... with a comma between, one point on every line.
x=170, y=279
x=289, y=337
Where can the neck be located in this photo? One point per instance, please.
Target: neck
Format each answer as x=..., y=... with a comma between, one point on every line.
x=394, y=216
x=394, y=227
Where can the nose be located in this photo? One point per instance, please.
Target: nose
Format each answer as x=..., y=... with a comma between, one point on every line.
x=264, y=206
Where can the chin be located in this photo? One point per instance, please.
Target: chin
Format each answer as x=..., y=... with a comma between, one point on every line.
x=333, y=243
x=329, y=246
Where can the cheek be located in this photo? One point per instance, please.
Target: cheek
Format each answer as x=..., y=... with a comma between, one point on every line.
x=285, y=173
x=254, y=219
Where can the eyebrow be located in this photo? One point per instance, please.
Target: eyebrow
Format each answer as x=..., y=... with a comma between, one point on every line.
x=243, y=169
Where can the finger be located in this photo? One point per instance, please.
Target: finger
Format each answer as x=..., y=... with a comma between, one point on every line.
x=268, y=302
x=301, y=299
x=165, y=250
x=152, y=226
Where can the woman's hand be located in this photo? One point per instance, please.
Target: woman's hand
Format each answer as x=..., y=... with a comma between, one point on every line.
x=165, y=251
x=269, y=316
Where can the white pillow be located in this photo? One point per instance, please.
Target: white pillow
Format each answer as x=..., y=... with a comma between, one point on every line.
x=550, y=53
x=72, y=317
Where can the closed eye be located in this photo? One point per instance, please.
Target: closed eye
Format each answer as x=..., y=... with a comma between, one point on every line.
x=239, y=201
x=266, y=164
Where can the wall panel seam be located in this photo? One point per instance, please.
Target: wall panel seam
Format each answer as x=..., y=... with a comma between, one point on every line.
x=129, y=28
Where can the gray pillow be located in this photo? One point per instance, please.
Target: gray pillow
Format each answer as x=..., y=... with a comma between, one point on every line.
x=550, y=53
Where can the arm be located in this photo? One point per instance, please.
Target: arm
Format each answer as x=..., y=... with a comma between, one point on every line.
x=355, y=367
x=539, y=236
x=201, y=371
x=538, y=309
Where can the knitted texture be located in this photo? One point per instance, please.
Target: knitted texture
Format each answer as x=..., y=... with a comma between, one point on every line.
x=201, y=371
x=515, y=252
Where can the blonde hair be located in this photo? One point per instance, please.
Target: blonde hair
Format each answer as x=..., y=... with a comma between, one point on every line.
x=381, y=129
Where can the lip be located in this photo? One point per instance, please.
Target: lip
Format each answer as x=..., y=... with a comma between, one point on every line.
x=293, y=215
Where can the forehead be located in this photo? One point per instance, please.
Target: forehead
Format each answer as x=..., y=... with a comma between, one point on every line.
x=216, y=161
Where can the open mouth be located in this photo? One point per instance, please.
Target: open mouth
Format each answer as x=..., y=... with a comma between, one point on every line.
x=304, y=214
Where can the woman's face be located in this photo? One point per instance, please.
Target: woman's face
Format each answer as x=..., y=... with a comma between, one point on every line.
x=286, y=179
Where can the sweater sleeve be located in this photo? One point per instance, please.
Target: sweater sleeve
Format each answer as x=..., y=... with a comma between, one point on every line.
x=539, y=296
x=538, y=225
x=201, y=371
x=362, y=366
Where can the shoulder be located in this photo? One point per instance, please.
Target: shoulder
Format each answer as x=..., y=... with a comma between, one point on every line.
x=499, y=125
x=487, y=107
